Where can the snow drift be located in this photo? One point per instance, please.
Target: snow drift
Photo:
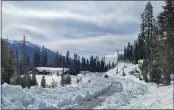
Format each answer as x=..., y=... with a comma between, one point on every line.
x=45, y=98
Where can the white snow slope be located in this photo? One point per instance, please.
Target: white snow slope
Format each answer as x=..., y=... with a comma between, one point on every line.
x=46, y=98
x=137, y=94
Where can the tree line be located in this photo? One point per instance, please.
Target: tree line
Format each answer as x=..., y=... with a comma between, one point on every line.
x=14, y=64
x=93, y=64
x=155, y=44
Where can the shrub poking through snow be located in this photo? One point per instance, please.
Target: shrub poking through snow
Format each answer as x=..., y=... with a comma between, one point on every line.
x=89, y=81
x=106, y=76
x=43, y=82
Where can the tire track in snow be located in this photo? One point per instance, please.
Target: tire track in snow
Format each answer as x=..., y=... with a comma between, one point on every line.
x=115, y=87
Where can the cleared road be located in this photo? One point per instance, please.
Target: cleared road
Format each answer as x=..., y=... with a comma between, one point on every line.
x=115, y=87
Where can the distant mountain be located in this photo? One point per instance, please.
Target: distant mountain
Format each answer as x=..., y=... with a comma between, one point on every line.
x=17, y=45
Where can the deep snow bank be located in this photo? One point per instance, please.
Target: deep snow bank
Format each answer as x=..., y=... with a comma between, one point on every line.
x=137, y=94
x=60, y=97
x=132, y=87
x=156, y=98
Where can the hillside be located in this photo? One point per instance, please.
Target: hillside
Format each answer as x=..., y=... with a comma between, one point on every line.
x=17, y=45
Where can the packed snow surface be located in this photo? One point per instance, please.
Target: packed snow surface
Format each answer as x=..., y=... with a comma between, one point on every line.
x=46, y=98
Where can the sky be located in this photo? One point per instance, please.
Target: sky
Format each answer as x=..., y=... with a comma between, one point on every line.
x=82, y=27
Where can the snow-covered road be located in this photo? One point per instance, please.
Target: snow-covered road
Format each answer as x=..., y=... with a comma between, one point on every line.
x=115, y=87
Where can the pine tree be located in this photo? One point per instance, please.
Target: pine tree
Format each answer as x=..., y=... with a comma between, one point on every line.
x=36, y=57
x=88, y=67
x=8, y=61
x=17, y=63
x=28, y=62
x=135, y=53
x=166, y=23
x=33, y=80
x=147, y=37
x=67, y=58
x=125, y=53
x=44, y=57
x=148, y=14
x=83, y=63
x=26, y=81
x=43, y=82
x=92, y=64
x=23, y=63
x=18, y=80
x=56, y=60
x=75, y=61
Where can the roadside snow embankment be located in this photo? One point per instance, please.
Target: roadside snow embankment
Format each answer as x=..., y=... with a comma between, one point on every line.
x=156, y=98
x=60, y=97
x=137, y=94
x=132, y=87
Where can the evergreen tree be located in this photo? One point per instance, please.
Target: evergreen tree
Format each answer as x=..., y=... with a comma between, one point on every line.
x=67, y=59
x=135, y=53
x=92, y=63
x=75, y=61
x=103, y=64
x=44, y=57
x=26, y=81
x=43, y=82
x=8, y=61
x=56, y=60
x=36, y=57
x=23, y=66
x=33, y=80
x=28, y=62
x=87, y=63
x=166, y=27
x=83, y=63
x=17, y=63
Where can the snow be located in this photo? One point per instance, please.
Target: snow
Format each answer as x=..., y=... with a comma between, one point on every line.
x=48, y=79
x=137, y=94
x=128, y=67
x=20, y=42
x=140, y=61
x=156, y=98
x=52, y=70
x=59, y=97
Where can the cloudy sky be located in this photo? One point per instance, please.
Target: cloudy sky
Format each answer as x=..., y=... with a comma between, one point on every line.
x=84, y=27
